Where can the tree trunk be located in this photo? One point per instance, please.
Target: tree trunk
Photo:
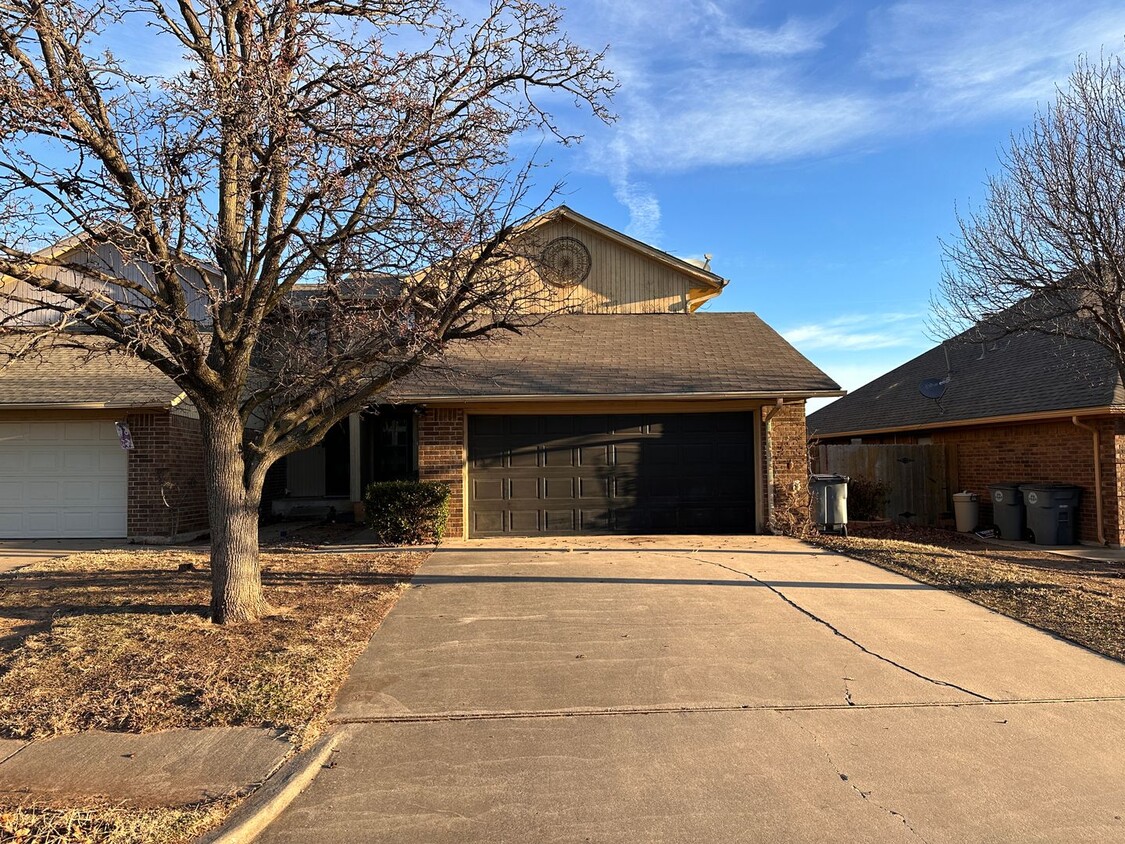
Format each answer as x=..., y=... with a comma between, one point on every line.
x=232, y=510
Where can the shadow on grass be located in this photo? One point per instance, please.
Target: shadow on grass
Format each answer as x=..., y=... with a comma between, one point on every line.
x=31, y=601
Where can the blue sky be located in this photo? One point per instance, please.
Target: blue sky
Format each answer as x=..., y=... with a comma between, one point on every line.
x=817, y=150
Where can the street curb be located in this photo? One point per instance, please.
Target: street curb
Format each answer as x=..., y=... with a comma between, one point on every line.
x=263, y=806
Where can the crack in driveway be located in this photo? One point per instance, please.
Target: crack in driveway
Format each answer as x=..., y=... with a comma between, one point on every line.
x=865, y=795
x=835, y=630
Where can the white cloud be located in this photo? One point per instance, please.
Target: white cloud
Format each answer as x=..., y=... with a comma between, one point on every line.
x=858, y=332
x=968, y=58
x=709, y=83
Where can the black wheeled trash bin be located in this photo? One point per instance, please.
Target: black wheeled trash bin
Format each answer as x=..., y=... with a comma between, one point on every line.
x=1008, y=510
x=1052, y=512
x=830, y=502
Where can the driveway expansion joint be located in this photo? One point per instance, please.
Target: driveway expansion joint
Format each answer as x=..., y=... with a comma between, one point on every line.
x=835, y=630
x=522, y=715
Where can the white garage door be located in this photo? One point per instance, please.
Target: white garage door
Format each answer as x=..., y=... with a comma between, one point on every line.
x=61, y=479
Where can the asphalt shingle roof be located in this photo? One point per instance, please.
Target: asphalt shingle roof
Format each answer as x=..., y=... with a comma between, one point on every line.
x=624, y=354
x=61, y=375
x=1025, y=373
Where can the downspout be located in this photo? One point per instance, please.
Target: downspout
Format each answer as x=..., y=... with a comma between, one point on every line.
x=1098, y=505
x=769, y=465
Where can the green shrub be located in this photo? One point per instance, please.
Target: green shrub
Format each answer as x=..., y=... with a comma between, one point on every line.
x=866, y=499
x=407, y=512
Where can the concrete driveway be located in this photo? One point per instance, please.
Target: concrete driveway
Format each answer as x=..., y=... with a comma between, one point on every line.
x=727, y=690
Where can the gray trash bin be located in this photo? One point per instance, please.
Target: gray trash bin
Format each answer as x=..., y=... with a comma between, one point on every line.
x=1008, y=510
x=830, y=502
x=966, y=509
x=1052, y=512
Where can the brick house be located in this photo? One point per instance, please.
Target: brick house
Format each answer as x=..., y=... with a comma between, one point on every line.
x=633, y=413
x=1029, y=408
x=63, y=471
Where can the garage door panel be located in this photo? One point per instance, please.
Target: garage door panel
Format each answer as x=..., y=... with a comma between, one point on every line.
x=485, y=523
x=627, y=454
x=625, y=472
x=628, y=424
x=593, y=488
x=517, y=425
x=558, y=521
x=82, y=461
x=44, y=431
x=559, y=488
x=594, y=521
x=524, y=457
x=594, y=455
x=559, y=457
x=596, y=424
x=524, y=522
x=62, y=479
x=41, y=460
x=522, y=489
x=488, y=490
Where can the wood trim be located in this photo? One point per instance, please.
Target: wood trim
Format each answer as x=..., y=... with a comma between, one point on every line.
x=464, y=475
x=770, y=397
x=56, y=414
x=580, y=406
x=759, y=472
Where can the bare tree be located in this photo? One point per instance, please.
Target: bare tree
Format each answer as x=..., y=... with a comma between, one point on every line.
x=317, y=201
x=1046, y=252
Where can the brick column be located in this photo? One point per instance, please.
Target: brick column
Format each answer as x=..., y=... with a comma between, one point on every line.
x=441, y=457
x=165, y=463
x=789, y=446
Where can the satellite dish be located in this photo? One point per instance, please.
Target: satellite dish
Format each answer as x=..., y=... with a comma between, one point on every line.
x=933, y=388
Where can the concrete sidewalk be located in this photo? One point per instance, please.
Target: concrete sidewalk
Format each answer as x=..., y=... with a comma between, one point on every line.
x=169, y=768
x=16, y=553
x=751, y=689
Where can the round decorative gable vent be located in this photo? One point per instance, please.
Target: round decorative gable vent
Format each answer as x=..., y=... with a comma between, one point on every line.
x=565, y=262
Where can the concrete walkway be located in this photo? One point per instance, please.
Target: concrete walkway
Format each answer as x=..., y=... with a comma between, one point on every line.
x=749, y=689
x=169, y=768
x=16, y=553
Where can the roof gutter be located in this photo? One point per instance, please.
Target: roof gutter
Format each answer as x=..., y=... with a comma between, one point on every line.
x=1098, y=503
x=88, y=405
x=1039, y=416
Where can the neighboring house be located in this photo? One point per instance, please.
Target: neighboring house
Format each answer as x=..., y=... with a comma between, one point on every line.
x=635, y=413
x=63, y=471
x=1028, y=408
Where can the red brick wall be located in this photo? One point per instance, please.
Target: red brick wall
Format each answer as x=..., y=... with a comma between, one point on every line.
x=1038, y=452
x=790, y=454
x=166, y=449
x=441, y=455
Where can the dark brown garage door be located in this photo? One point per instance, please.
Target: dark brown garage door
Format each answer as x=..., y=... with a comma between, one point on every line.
x=644, y=473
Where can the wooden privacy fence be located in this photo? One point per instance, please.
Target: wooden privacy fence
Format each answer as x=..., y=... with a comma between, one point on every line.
x=918, y=477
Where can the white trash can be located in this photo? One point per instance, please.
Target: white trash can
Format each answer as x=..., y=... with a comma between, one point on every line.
x=966, y=508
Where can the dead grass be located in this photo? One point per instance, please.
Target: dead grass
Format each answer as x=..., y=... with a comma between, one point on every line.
x=120, y=641
x=1080, y=600
x=110, y=825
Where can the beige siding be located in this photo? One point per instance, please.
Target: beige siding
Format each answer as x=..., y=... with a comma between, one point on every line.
x=621, y=280
x=107, y=259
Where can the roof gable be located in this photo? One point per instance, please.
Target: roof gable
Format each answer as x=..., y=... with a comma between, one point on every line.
x=624, y=274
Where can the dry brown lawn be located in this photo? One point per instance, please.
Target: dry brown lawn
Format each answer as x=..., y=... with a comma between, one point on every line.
x=1080, y=600
x=121, y=641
